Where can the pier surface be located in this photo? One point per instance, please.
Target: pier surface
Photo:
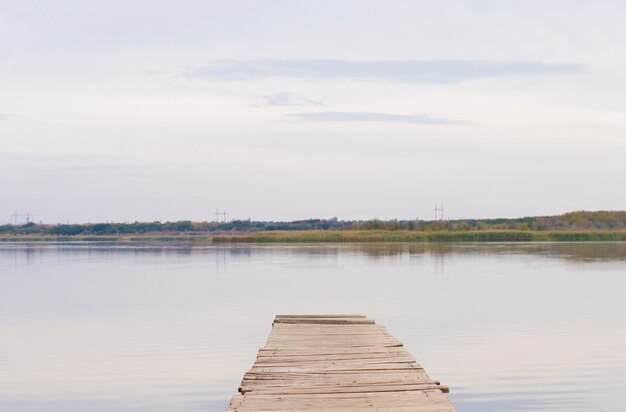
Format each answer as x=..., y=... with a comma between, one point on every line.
x=336, y=363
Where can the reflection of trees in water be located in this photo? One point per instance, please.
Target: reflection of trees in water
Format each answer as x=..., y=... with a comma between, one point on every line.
x=579, y=252
x=575, y=251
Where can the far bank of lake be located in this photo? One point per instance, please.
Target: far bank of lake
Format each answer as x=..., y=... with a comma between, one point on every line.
x=344, y=236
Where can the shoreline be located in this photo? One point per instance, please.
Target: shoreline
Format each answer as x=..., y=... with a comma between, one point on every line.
x=346, y=236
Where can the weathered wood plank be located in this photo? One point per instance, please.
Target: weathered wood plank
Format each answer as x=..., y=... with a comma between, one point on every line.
x=320, y=316
x=336, y=363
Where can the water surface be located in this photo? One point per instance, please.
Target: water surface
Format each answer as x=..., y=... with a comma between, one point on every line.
x=509, y=327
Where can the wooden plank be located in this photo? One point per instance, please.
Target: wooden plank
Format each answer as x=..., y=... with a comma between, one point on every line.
x=319, y=316
x=335, y=363
x=333, y=321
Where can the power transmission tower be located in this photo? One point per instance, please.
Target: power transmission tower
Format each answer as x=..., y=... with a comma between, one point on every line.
x=438, y=212
x=21, y=217
x=221, y=217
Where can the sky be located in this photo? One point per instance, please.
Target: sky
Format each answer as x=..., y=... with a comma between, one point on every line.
x=282, y=110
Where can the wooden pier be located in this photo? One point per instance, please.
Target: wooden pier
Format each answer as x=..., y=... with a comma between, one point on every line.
x=336, y=363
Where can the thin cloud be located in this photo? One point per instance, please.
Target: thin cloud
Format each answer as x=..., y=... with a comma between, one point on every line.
x=283, y=99
x=374, y=117
x=406, y=71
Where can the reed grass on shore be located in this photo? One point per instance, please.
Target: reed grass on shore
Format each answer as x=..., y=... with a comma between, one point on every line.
x=415, y=236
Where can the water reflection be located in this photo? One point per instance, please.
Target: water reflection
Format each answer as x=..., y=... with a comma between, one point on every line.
x=125, y=327
x=574, y=251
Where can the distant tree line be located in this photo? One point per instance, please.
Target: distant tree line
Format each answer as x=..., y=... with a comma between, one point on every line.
x=581, y=220
x=183, y=227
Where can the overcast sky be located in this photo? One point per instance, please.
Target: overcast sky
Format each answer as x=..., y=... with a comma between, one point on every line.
x=167, y=110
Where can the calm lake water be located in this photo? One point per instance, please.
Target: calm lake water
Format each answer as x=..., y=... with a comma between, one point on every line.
x=509, y=327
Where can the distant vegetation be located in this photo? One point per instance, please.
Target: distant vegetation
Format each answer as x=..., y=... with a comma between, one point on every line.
x=415, y=236
x=582, y=225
